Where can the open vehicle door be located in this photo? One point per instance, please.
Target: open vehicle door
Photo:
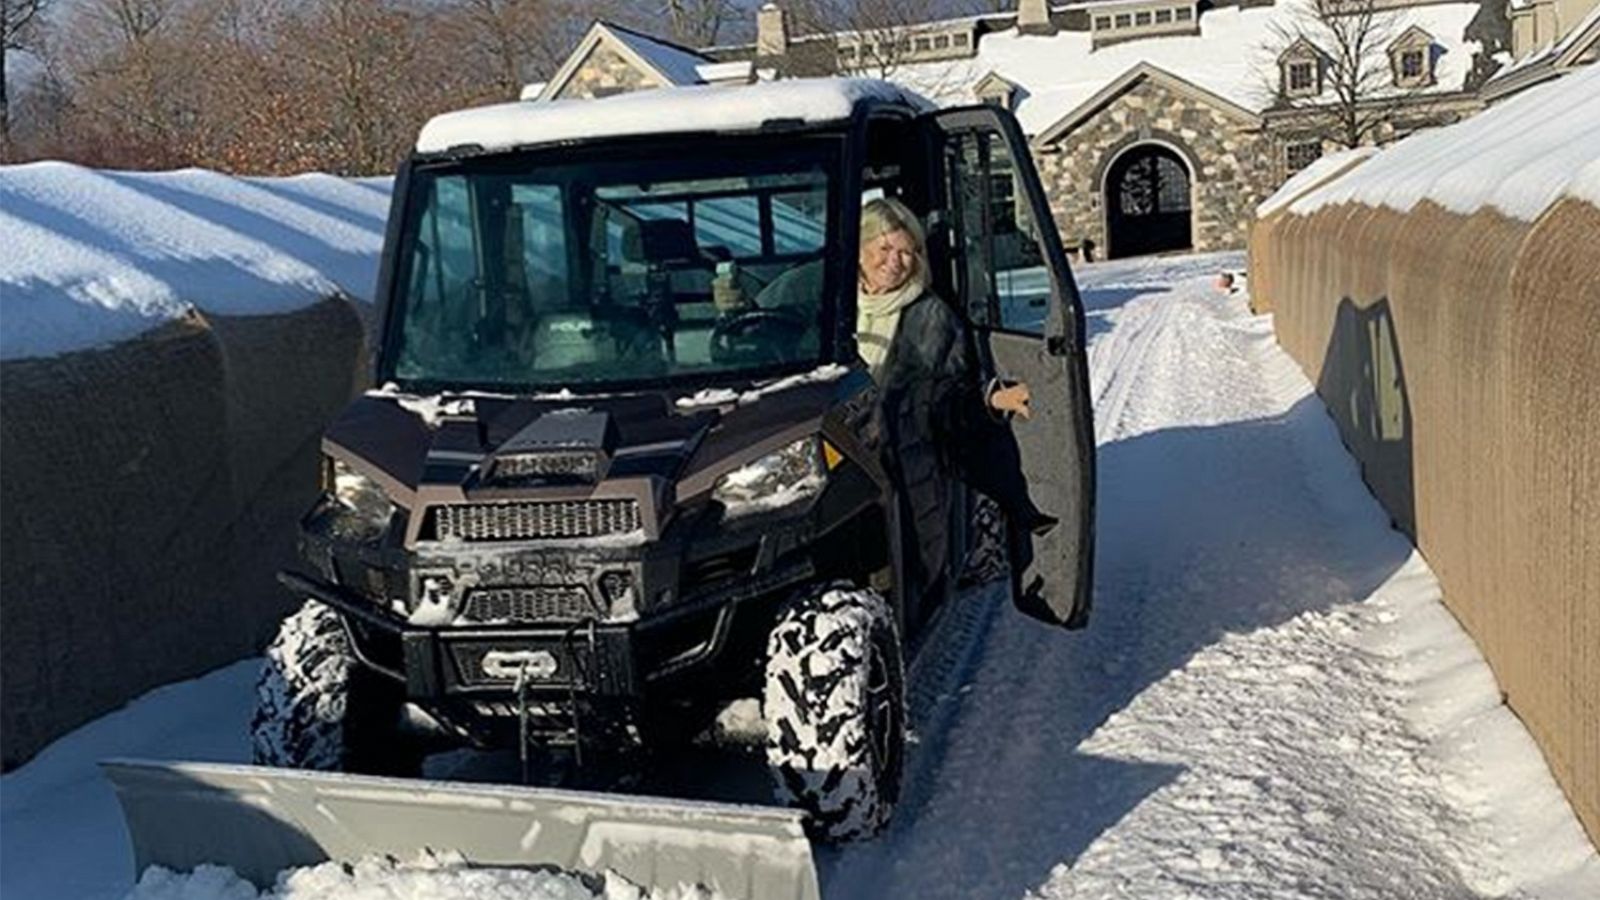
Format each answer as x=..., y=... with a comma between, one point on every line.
x=1011, y=276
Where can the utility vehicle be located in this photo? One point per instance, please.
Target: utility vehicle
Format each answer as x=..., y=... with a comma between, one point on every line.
x=592, y=503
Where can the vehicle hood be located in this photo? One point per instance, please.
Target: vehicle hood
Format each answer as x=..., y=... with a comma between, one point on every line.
x=411, y=442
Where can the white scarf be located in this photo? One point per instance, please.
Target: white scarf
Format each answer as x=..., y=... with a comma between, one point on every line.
x=878, y=315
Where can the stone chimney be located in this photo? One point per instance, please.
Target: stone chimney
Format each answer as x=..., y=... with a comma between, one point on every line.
x=1033, y=17
x=772, y=31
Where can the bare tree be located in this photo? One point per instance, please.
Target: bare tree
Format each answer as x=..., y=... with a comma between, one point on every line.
x=698, y=23
x=506, y=43
x=1355, y=91
x=19, y=22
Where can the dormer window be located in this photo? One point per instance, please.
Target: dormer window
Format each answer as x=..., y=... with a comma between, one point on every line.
x=1300, y=70
x=1302, y=78
x=1411, y=65
x=1102, y=23
x=996, y=90
x=1411, y=58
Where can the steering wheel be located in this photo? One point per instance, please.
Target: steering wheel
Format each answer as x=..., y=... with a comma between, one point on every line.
x=756, y=335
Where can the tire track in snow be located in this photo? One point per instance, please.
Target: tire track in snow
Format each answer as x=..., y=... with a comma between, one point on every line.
x=1117, y=361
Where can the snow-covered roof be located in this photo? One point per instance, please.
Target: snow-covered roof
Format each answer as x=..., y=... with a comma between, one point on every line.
x=97, y=257
x=1519, y=157
x=1233, y=56
x=663, y=111
x=676, y=64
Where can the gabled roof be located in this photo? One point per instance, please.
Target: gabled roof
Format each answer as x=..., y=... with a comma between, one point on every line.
x=668, y=63
x=992, y=82
x=1302, y=48
x=1127, y=81
x=1415, y=36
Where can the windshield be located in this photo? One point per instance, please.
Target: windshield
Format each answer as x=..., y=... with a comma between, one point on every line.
x=518, y=275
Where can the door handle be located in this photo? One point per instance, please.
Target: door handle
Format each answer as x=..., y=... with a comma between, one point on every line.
x=1056, y=345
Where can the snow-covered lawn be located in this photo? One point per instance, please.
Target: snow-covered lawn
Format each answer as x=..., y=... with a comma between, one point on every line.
x=1270, y=700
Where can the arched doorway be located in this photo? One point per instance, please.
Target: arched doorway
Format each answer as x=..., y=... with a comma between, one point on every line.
x=1148, y=202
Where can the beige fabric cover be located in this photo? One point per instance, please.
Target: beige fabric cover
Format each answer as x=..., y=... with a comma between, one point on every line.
x=150, y=492
x=1459, y=356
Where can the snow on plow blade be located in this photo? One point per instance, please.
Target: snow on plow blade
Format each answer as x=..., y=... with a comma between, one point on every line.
x=259, y=821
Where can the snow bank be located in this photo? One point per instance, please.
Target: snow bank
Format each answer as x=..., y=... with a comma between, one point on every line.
x=96, y=257
x=1519, y=157
x=442, y=877
x=663, y=111
x=171, y=347
x=1304, y=180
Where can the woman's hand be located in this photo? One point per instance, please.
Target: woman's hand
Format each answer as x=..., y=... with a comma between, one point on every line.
x=1012, y=399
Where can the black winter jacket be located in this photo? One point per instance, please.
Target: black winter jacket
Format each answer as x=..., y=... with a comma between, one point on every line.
x=937, y=423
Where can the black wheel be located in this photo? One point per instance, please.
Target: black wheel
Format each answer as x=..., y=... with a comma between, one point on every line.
x=986, y=543
x=834, y=702
x=318, y=708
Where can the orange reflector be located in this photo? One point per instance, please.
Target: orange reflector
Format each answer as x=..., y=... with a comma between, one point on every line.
x=831, y=456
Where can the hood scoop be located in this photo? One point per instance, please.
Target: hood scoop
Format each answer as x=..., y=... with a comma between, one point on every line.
x=564, y=446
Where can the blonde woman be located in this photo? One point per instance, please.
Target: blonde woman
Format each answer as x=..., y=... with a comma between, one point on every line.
x=942, y=418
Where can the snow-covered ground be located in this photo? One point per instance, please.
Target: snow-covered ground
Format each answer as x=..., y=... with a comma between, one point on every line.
x=1270, y=701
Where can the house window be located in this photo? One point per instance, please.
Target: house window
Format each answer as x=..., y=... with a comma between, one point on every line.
x=1124, y=20
x=1411, y=66
x=847, y=53
x=1163, y=17
x=1299, y=155
x=1102, y=23
x=961, y=40
x=1302, y=78
x=1183, y=13
x=924, y=45
x=1141, y=18
x=941, y=42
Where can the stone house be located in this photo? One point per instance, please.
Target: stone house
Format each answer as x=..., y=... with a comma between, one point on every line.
x=1157, y=125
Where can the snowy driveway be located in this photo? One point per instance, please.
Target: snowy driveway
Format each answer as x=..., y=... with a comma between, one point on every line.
x=1270, y=701
x=1253, y=709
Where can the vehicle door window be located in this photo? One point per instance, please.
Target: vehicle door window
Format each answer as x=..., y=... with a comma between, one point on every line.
x=1007, y=284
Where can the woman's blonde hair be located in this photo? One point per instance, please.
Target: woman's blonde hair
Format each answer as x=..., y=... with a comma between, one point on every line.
x=885, y=215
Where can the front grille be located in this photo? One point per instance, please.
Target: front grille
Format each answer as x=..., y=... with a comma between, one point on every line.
x=543, y=519
x=528, y=604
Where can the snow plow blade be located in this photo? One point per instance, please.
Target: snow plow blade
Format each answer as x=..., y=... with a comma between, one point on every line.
x=259, y=821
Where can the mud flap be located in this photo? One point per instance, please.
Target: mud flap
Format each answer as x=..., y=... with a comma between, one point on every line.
x=259, y=821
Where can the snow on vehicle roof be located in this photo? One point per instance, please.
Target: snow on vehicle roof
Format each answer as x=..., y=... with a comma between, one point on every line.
x=658, y=111
x=1519, y=157
x=94, y=257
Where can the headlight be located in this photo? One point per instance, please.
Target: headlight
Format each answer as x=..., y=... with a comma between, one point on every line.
x=357, y=492
x=778, y=479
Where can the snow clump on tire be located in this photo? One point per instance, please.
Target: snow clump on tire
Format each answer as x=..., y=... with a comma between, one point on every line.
x=835, y=710
x=302, y=694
